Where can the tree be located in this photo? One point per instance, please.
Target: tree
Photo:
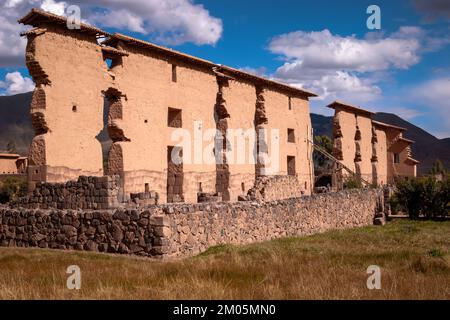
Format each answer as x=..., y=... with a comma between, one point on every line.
x=11, y=147
x=321, y=162
x=438, y=168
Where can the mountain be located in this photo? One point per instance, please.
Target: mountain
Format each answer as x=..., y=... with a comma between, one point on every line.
x=15, y=126
x=427, y=148
x=15, y=122
x=322, y=125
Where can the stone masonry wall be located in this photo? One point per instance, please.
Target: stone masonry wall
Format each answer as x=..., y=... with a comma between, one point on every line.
x=271, y=188
x=175, y=230
x=85, y=193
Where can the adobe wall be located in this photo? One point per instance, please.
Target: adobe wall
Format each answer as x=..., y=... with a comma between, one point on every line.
x=344, y=145
x=73, y=82
x=145, y=80
x=176, y=230
x=404, y=169
x=67, y=104
x=365, y=165
x=382, y=157
x=297, y=118
x=8, y=166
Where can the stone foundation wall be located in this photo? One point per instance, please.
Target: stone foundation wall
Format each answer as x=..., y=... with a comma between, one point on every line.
x=175, y=230
x=85, y=193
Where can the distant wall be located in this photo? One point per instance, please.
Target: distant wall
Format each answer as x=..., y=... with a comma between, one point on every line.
x=175, y=230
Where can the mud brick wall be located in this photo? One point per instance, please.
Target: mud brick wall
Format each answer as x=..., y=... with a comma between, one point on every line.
x=85, y=193
x=177, y=230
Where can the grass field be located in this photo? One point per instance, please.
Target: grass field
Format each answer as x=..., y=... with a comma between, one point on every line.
x=414, y=258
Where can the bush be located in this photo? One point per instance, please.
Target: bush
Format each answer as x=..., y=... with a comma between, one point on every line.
x=423, y=196
x=352, y=182
x=11, y=188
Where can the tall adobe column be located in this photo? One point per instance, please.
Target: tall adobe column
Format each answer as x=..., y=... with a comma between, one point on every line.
x=337, y=178
x=374, y=159
x=358, y=157
x=221, y=144
x=37, y=151
x=261, y=123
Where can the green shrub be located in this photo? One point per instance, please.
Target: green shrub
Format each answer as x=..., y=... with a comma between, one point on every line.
x=352, y=182
x=11, y=188
x=423, y=196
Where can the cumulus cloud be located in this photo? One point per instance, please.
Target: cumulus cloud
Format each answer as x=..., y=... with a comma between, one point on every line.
x=173, y=21
x=435, y=94
x=15, y=83
x=168, y=21
x=339, y=67
x=54, y=7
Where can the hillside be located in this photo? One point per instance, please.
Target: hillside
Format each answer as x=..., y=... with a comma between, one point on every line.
x=15, y=122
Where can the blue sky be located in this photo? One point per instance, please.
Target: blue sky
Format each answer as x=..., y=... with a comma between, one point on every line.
x=323, y=46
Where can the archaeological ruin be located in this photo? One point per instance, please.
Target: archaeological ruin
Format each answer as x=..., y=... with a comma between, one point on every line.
x=375, y=152
x=201, y=154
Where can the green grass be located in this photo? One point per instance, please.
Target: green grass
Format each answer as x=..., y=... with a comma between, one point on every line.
x=413, y=255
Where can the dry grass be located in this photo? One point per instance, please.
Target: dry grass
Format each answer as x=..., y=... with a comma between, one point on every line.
x=414, y=258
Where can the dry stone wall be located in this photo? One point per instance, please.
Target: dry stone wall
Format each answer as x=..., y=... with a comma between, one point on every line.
x=85, y=193
x=175, y=230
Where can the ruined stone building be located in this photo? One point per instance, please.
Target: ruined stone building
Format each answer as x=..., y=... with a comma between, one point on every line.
x=12, y=163
x=375, y=151
x=151, y=91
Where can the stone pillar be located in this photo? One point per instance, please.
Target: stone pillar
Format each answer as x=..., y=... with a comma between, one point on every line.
x=37, y=170
x=221, y=144
x=162, y=232
x=337, y=178
x=260, y=123
x=115, y=164
x=374, y=159
x=358, y=157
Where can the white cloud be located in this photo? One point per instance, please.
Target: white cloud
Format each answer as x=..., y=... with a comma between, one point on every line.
x=323, y=50
x=435, y=94
x=348, y=68
x=15, y=83
x=54, y=7
x=173, y=21
x=168, y=21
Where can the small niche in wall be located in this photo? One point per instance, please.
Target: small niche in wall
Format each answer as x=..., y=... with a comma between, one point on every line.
x=146, y=188
x=174, y=119
x=74, y=108
x=200, y=189
x=290, y=103
x=291, y=135
x=243, y=187
x=145, y=121
x=174, y=73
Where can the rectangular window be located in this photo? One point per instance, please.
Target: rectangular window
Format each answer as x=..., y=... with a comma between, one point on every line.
x=291, y=135
x=290, y=103
x=174, y=119
x=174, y=73
x=291, y=165
x=396, y=158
